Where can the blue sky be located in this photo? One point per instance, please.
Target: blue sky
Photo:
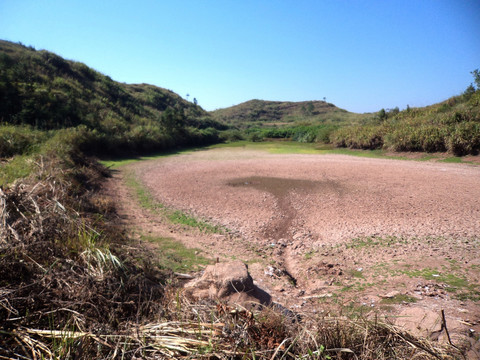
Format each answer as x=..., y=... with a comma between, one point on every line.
x=360, y=55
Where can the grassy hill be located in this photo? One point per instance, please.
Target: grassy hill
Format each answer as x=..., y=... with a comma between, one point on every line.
x=275, y=112
x=304, y=121
x=42, y=91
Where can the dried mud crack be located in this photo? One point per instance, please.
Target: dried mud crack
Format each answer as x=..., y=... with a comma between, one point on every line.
x=279, y=229
x=326, y=233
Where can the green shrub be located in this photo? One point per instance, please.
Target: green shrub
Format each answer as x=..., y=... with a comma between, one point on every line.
x=340, y=137
x=432, y=138
x=403, y=138
x=324, y=133
x=407, y=137
x=19, y=140
x=359, y=137
x=255, y=137
x=18, y=168
x=306, y=135
x=464, y=139
x=231, y=135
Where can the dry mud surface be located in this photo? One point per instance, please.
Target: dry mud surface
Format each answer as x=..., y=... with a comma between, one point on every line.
x=332, y=231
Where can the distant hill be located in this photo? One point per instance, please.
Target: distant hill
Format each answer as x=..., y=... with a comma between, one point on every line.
x=452, y=125
x=274, y=111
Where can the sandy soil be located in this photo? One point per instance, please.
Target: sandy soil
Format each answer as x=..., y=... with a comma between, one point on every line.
x=319, y=231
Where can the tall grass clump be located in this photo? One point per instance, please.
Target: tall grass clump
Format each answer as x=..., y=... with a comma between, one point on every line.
x=59, y=270
x=408, y=137
x=359, y=137
x=464, y=139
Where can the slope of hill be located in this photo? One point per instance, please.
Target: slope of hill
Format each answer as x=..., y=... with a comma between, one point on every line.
x=452, y=125
x=46, y=92
x=274, y=112
x=305, y=121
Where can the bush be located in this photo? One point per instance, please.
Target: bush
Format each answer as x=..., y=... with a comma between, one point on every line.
x=255, y=137
x=464, y=139
x=359, y=137
x=403, y=138
x=324, y=133
x=231, y=135
x=16, y=140
x=432, y=138
x=306, y=135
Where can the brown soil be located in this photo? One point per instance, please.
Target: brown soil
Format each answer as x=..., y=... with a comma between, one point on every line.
x=328, y=232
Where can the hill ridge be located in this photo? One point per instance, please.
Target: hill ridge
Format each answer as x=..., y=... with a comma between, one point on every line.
x=272, y=110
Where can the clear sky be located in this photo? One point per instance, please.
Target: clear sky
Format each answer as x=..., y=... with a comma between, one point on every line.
x=360, y=55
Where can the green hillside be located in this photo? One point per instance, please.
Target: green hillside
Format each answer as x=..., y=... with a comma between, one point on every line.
x=275, y=112
x=452, y=125
x=305, y=121
x=43, y=91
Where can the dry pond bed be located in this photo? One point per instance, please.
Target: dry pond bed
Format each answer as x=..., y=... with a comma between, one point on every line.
x=329, y=233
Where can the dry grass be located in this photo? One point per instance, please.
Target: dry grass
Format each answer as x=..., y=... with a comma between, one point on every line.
x=224, y=332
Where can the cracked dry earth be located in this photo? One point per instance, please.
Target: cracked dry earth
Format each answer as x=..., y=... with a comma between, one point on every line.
x=330, y=233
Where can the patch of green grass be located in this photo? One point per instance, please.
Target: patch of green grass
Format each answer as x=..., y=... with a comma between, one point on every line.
x=274, y=147
x=253, y=261
x=370, y=241
x=175, y=256
x=179, y=217
x=356, y=274
x=18, y=168
x=378, y=154
x=453, y=159
x=354, y=310
x=472, y=295
x=144, y=197
x=450, y=279
x=399, y=299
x=117, y=163
x=292, y=147
x=363, y=286
x=308, y=255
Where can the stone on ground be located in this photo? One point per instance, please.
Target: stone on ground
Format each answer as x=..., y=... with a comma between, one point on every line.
x=230, y=282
